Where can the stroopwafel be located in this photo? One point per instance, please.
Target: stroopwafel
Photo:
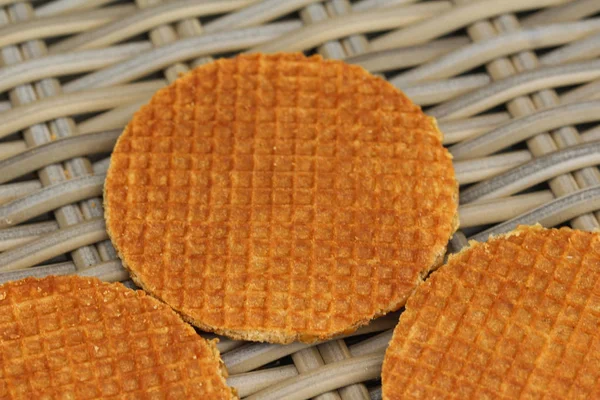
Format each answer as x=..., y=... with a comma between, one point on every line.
x=280, y=197
x=516, y=317
x=79, y=338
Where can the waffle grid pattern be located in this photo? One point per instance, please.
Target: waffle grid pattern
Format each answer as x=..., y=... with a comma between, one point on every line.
x=139, y=30
x=516, y=317
x=304, y=218
x=70, y=337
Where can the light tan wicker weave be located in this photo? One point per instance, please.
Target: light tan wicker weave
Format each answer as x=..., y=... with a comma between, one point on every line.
x=514, y=84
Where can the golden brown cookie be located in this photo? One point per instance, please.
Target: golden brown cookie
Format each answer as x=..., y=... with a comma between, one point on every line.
x=70, y=337
x=280, y=197
x=516, y=317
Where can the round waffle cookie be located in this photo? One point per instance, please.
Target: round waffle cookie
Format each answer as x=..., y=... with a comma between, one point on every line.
x=516, y=317
x=79, y=338
x=280, y=197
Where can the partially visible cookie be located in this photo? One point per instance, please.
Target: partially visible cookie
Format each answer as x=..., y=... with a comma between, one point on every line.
x=280, y=197
x=516, y=317
x=70, y=337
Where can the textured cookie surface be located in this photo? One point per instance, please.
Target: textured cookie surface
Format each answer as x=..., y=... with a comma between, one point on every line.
x=516, y=317
x=79, y=338
x=280, y=197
